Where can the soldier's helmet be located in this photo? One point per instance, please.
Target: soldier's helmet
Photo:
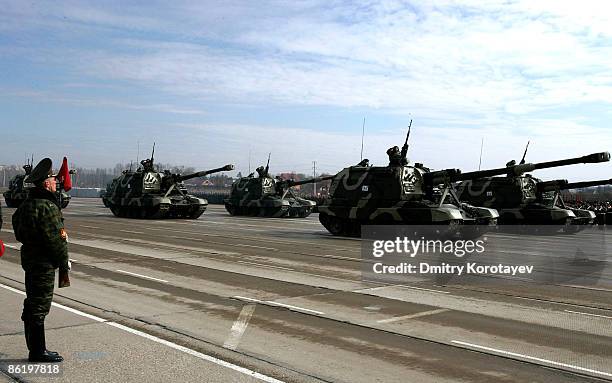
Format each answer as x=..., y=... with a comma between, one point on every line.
x=260, y=171
x=395, y=156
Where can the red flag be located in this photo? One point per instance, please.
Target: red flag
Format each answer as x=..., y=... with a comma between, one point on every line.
x=64, y=175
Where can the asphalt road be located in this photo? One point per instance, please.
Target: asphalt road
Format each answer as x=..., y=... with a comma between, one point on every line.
x=283, y=298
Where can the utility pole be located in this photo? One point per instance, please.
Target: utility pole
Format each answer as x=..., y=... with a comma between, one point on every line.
x=3, y=175
x=314, y=175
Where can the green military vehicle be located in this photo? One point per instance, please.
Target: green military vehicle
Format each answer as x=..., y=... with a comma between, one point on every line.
x=400, y=194
x=150, y=194
x=515, y=196
x=549, y=194
x=18, y=190
x=264, y=196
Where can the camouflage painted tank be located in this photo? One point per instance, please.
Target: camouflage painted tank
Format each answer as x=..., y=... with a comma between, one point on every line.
x=264, y=196
x=18, y=190
x=515, y=196
x=399, y=194
x=549, y=194
x=147, y=193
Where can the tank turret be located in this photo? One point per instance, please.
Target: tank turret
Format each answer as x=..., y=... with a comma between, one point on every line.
x=151, y=194
x=264, y=196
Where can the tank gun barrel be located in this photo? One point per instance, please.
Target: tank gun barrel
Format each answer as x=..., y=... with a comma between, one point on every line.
x=442, y=176
x=553, y=185
x=586, y=184
x=589, y=159
x=205, y=172
x=290, y=183
x=520, y=169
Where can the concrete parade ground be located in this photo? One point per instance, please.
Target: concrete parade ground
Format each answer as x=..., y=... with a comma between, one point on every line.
x=246, y=299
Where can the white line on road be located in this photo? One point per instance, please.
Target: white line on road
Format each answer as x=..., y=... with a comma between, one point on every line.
x=142, y=276
x=175, y=346
x=587, y=288
x=589, y=314
x=412, y=316
x=272, y=303
x=264, y=265
x=132, y=231
x=294, y=307
x=551, y=362
x=402, y=287
x=239, y=327
x=90, y=227
x=8, y=230
x=12, y=246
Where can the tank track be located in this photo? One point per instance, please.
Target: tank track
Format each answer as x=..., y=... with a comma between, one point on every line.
x=256, y=211
x=157, y=212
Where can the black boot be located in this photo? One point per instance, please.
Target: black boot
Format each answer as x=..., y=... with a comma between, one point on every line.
x=26, y=331
x=38, y=349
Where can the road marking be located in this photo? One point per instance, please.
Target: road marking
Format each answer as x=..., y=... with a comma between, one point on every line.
x=132, y=231
x=272, y=303
x=551, y=362
x=589, y=314
x=587, y=288
x=422, y=288
x=175, y=346
x=8, y=230
x=239, y=327
x=90, y=227
x=142, y=276
x=255, y=247
x=264, y=265
x=412, y=316
x=16, y=247
x=401, y=287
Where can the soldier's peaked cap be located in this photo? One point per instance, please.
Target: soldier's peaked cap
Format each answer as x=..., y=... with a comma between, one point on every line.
x=41, y=172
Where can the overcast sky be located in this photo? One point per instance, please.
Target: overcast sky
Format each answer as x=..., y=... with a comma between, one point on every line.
x=211, y=82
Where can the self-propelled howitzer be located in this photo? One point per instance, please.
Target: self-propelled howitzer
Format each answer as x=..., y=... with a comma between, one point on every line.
x=399, y=194
x=515, y=196
x=18, y=190
x=264, y=196
x=147, y=193
x=549, y=194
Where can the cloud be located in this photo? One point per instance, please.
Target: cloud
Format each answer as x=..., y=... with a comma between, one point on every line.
x=52, y=97
x=507, y=71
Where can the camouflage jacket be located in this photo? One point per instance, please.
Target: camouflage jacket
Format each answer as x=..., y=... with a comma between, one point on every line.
x=38, y=224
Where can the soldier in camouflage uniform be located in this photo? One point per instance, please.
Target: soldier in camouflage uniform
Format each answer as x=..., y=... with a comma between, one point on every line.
x=39, y=226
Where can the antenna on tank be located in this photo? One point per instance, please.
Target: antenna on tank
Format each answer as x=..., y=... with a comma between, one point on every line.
x=481, y=146
x=362, y=134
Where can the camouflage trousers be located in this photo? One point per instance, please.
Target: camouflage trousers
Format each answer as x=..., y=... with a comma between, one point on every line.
x=39, y=293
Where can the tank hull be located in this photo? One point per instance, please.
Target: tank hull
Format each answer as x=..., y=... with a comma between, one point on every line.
x=347, y=220
x=156, y=207
x=271, y=207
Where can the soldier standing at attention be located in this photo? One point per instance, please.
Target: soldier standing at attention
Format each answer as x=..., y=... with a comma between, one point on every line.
x=38, y=225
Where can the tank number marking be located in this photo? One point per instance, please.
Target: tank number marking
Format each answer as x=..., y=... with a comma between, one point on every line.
x=364, y=188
